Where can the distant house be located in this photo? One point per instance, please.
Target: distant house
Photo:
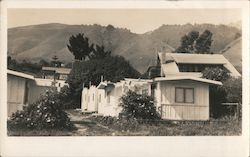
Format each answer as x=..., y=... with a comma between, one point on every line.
x=54, y=76
x=179, y=91
x=57, y=73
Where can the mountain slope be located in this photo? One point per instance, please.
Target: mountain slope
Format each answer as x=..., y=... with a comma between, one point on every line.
x=44, y=41
x=233, y=52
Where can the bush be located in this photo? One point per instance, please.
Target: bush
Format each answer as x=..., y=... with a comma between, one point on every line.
x=217, y=74
x=46, y=113
x=229, y=92
x=138, y=106
x=233, y=88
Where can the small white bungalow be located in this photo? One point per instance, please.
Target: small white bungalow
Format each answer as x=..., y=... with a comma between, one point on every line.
x=183, y=97
x=23, y=89
x=104, y=99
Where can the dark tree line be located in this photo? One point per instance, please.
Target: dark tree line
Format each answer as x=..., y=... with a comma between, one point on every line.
x=32, y=67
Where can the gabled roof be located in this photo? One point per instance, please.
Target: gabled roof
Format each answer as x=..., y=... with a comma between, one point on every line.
x=187, y=58
x=20, y=74
x=57, y=70
x=176, y=78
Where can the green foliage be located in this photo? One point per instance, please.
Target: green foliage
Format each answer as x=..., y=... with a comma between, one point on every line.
x=229, y=92
x=138, y=106
x=233, y=88
x=30, y=67
x=217, y=74
x=24, y=66
x=195, y=43
x=99, y=53
x=112, y=68
x=187, y=42
x=204, y=42
x=80, y=47
x=46, y=113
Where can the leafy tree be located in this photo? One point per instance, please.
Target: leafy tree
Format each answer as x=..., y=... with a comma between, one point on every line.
x=217, y=74
x=233, y=87
x=80, y=47
x=99, y=52
x=204, y=42
x=24, y=66
x=138, y=106
x=195, y=43
x=230, y=91
x=112, y=68
x=187, y=42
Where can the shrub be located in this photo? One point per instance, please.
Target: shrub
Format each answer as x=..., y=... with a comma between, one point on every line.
x=230, y=91
x=233, y=88
x=217, y=74
x=46, y=113
x=138, y=106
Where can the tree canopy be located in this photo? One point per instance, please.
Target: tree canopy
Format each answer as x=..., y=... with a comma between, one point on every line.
x=193, y=42
x=80, y=47
x=82, y=50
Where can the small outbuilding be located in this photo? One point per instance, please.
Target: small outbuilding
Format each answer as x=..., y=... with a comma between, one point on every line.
x=183, y=97
x=24, y=89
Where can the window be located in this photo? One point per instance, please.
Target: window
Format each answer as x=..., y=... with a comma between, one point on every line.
x=184, y=95
x=93, y=97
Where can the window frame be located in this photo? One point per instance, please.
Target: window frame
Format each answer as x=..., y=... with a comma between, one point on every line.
x=184, y=94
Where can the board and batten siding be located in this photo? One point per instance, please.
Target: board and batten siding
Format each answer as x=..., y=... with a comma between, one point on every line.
x=170, y=109
x=15, y=93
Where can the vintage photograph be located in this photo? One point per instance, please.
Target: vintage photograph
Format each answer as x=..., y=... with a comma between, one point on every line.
x=124, y=72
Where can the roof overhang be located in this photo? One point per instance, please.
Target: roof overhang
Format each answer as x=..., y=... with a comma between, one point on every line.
x=178, y=78
x=104, y=85
x=20, y=74
x=138, y=80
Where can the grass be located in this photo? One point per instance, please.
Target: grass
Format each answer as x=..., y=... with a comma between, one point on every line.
x=107, y=126
x=28, y=132
x=214, y=127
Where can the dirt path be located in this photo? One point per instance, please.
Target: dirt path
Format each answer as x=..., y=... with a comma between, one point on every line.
x=85, y=127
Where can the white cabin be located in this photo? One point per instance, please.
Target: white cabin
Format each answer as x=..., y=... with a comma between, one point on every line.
x=105, y=98
x=24, y=89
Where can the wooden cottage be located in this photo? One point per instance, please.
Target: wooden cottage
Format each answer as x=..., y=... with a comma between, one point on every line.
x=183, y=97
x=21, y=90
x=24, y=89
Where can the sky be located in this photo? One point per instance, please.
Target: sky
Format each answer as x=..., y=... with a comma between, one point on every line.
x=137, y=20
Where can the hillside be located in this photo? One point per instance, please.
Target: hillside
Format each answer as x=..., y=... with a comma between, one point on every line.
x=233, y=52
x=44, y=41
